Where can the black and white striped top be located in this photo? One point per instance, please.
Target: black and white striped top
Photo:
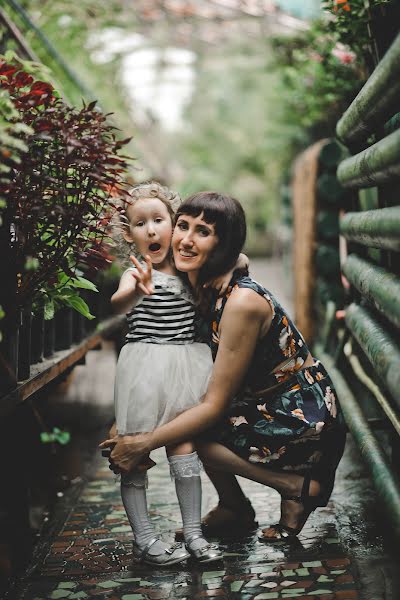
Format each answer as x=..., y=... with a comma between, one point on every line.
x=165, y=317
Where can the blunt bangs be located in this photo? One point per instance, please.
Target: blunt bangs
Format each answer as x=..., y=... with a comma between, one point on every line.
x=228, y=218
x=215, y=207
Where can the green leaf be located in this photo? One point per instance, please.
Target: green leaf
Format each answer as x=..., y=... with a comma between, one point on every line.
x=85, y=284
x=78, y=304
x=49, y=310
x=31, y=263
x=63, y=278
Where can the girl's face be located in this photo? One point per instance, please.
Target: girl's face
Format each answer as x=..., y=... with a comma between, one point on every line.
x=193, y=241
x=150, y=228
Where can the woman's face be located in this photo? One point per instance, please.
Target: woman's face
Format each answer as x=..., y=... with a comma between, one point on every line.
x=193, y=241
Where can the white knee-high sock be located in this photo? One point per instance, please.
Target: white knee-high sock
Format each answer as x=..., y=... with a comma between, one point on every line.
x=185, y=469
x=133, y=494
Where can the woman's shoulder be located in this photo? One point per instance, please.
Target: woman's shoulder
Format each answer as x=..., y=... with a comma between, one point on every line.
x=246, y=295
x=247, y=282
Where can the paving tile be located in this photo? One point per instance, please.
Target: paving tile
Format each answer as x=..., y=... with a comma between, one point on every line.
x=346, y=595
x=92, y=552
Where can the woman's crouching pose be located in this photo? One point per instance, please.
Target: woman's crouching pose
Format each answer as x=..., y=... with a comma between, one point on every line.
x=270, y=412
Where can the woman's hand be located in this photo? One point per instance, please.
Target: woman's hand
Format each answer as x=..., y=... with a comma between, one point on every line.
x=128, y=451
x=143, y=278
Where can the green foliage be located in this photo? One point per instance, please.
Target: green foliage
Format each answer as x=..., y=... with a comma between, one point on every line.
x=11, y=144
x=65, y=293
x=233, y=143
x=60, y=195
x=350, y=25
x=56, y=435
x=318, y=76
x=68, y=26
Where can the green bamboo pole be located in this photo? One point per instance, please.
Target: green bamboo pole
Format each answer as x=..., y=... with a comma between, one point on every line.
x=386, y=486
x=380, y=287
x=379, y=346
x=376, y=102
x=375, y=228
x=377, y=164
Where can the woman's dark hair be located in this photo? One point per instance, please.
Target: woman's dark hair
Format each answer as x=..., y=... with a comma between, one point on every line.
x=228, y=218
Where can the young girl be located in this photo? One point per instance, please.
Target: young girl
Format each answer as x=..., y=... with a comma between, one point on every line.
x=161, y=371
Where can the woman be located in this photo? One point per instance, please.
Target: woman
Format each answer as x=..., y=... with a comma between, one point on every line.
x=270, y=409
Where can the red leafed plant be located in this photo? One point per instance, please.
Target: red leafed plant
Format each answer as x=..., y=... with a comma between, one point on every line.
x=59, y=198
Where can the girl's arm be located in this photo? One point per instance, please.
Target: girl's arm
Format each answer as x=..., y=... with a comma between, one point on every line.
x=245, y=316
x=132, y=286
x=222, y=282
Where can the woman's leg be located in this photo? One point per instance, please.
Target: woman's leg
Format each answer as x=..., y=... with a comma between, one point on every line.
x=218, y=457
x=233, y=509
x=229, y=491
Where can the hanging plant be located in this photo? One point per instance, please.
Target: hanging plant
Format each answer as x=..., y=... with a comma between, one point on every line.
x=350, y=19
x=58, y=198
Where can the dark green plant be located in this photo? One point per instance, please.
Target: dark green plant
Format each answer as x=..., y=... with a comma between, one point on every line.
x=65, y=293
x=11, y=148
x=59, y=199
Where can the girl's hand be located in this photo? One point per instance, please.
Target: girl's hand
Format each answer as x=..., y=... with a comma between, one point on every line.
x=220, y=283
x=143, y=278
x=128, y=451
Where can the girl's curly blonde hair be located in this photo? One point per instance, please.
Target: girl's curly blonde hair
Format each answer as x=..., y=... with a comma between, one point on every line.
x=120, y=221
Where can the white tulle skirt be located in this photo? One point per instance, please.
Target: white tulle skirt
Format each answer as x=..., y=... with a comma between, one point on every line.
x=156, y=382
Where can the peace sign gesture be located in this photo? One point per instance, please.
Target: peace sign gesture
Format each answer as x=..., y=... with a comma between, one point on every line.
x=143, y=278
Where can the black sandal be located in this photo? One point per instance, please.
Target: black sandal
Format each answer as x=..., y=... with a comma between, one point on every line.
x=286, y=533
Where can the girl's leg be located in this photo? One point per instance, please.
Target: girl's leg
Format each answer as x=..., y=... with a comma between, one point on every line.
x=185, y=469
x=218, y=457
x=133, y=494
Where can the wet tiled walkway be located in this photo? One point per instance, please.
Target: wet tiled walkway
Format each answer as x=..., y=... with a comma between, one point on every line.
x=89, y=555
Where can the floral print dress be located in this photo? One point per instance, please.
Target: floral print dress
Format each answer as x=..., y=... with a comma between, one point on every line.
x=296, y=427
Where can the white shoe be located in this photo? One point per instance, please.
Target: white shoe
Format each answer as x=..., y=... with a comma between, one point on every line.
x=171, y=555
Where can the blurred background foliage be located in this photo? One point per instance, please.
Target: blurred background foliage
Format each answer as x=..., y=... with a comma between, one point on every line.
x=253, y=98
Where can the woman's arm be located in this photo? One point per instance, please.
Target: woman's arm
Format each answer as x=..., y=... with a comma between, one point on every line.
x=245, y=315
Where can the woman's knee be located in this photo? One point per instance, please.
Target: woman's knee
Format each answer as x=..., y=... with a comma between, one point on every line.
x=180, y=449
x=206, y=454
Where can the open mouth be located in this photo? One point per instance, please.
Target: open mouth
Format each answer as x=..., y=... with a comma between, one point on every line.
x=154, y=247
